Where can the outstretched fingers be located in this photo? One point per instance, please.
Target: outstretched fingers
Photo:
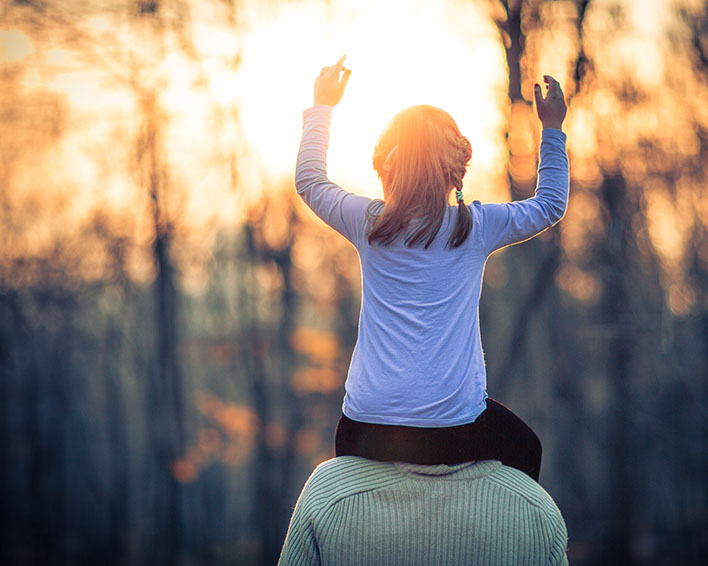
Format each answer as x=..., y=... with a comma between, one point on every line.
x=553, y=90
x=551, y=109
x=553, y=86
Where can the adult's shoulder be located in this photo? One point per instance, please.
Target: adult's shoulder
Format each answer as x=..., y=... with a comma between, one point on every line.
x=347, y=475
x=521, y=486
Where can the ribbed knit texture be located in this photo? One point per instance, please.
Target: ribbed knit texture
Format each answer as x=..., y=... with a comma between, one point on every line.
x=354, y=511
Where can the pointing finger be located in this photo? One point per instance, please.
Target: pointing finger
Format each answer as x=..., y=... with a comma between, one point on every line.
x=340, y=63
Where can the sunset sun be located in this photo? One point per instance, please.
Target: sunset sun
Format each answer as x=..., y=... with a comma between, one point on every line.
x=399, y=57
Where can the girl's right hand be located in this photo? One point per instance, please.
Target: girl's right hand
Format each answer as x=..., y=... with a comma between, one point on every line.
x=551, y=110
x=330, y=85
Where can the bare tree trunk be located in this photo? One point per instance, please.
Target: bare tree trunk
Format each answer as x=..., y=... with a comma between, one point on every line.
x=119, y=454
x=567, y=420
x=5, y=425
x=542, y=257
x=277, y=404
x=616, y=311
x=170, y=398
x=12, y=332
x=36, y=476
x=165, y=389
x=265, y=400
x=514, y=41
x=294, y=418
x=698, y=27
x=61, y=385
x=119, y=466
x=252, y=352
x=539, y=258
x=569, y=427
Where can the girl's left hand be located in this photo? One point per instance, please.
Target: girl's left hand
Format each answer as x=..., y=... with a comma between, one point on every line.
x=552, y=109
x=330, y=85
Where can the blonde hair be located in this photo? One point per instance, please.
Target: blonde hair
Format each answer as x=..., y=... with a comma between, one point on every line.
x=420, y=157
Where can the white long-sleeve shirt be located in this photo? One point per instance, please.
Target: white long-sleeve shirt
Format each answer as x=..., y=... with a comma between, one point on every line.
x=418, y=359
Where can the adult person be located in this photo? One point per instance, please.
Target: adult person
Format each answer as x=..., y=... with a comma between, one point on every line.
x=359, y=512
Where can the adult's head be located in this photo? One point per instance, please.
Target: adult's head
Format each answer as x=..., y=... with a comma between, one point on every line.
x=420, y=157
x=354, y=511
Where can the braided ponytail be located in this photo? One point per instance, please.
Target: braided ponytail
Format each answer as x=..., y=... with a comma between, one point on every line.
x=463, y=220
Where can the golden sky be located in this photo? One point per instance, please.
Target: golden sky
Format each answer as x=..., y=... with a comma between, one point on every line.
x=231, y=87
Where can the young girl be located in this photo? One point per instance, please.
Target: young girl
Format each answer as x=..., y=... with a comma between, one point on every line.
x=416, y=387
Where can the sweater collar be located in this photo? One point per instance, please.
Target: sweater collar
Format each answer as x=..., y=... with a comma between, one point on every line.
x=468, y=470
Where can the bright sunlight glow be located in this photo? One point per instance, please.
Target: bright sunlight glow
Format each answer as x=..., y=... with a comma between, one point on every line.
x=401, y=53
x=243, y=101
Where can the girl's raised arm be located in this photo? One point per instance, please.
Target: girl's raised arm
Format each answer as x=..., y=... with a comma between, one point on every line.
x=342, y=210
x=514, y=222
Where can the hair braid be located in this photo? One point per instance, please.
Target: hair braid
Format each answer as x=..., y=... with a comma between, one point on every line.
x=463, y=220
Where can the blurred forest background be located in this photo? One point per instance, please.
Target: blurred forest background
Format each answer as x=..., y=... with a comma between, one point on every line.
x=175, y=327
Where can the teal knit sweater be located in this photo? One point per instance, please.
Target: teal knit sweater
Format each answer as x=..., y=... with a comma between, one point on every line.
x=354, y=511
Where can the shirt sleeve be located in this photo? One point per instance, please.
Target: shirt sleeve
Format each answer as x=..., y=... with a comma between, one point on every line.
x=559, y=546
x=300, y=547
x=342, y=210
x=513, y=222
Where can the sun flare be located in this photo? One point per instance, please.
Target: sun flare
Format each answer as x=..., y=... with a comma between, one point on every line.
x=401, y=53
